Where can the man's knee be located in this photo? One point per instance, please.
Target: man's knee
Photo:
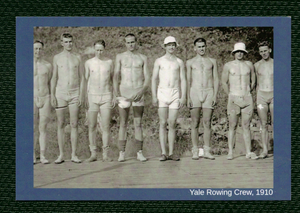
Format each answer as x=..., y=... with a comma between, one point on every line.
x=105, y=127
x=195, y=124
x=92, y=126
x=163, y=123
x=263, y=125
x=232, y=124
x=73, y=124
x=123, y=124
x=246, y=124
x=172, y=123
x=206, y=123
x=60, y=123
x=137, y=122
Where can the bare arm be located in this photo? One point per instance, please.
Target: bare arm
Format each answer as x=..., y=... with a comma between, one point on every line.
x=189, y=74
x=140, y=94
x=183, y=84
x=253, y=78
x=82, y=82
x=216, y=80
x=49, y=67
x=256, y=75
x=87, y=76
x=154, y=82
x=225, y=78
x=146, y=74
x=117, y=71
x=54, y=82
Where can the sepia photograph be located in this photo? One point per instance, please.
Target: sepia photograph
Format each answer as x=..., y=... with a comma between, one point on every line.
x=155, y=107
x=132, y=107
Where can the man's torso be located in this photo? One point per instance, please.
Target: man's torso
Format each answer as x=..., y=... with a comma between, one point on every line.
x=201, y=73
x=132, y=72
x=68, y=71
x=100, y=76
x=41, y=78
x=239, y=78
x=265, y=72
x=169, y=72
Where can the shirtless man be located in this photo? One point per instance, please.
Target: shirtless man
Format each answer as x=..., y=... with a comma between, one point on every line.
x=42, y=107
x=98, y=74
x=238, y=80
x=67, y=85
x=203, y=83
x=132, y=67
x=264, y=72
x=169, y=70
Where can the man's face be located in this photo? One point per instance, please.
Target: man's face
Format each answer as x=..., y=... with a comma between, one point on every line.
x=200, y=48
x=38, y=49
x=239, y=55
x=67, y=43
x=99, y=49
x=170, y=47
x=130, y=43
x=264, y=51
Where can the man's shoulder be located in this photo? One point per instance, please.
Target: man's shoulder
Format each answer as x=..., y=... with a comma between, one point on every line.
x=191, y=60
x=258, y=63
x=249, y=63
x=58, y=55
x=121, y=54
x=179, y=60
x=46, y=63
x=212, y=59
x=76, y=55
x=143, y=56
x=229, y=63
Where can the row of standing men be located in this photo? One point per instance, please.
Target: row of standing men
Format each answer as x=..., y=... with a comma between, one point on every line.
x=101, y=85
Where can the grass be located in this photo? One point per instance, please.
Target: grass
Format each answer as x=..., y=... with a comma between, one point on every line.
x=220, y=42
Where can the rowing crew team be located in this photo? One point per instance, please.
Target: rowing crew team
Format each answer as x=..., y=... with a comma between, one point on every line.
x=100, y=85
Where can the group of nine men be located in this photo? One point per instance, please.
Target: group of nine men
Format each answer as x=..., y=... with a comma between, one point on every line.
x=101, y=85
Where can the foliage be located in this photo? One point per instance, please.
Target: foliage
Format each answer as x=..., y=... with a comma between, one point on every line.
x=220, y=41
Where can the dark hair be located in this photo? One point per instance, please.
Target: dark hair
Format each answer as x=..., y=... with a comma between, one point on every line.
x=264, y=43
x=38, y=41
x=200, y=40
x=130, y=35
x=101, y=42
x=65, y=35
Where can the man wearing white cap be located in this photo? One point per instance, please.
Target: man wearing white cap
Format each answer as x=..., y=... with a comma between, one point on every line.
x=132, y=67
x=238, y=80
x=169, y=70
x=264, y=70
x=203, y=83
x=98, y=73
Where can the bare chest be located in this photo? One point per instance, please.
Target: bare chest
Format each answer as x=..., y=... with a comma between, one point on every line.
x=201, y=66
x=66, y=63
x=132, y=61
x=239, y=69
x=265, y=69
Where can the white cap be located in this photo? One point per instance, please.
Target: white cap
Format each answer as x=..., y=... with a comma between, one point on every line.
x=170, y=39
x=240, y=46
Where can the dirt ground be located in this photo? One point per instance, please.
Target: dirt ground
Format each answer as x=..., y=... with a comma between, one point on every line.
x=186, y=173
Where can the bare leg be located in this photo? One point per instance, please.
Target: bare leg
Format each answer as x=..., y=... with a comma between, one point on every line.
x=35, y=131
x=207, y=133
x=263, y=115
x=173, y=113
x=195, y=115
x=92, y=121
x=105, y=124
x=124, y=114
x=42, y=127
x=74, y=109
x=272, y=118
x=60, y=133
x=206, y=123
x=138, y=114
x=233, y=120
x=246, y=131
x=163, y=117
